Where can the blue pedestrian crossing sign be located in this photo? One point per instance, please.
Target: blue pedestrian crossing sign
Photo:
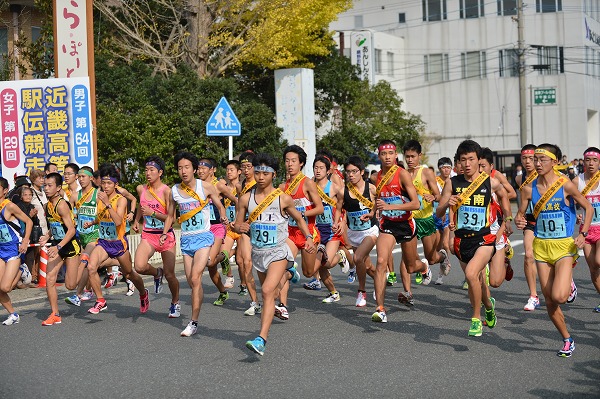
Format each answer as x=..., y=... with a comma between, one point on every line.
x=223, y=121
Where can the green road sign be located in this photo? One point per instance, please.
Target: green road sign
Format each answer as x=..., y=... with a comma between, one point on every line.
x=544, y=96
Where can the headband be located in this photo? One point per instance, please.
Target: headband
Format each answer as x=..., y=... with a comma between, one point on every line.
x=152, y=163
x=264, y=168
x=527, y=152
x=86, y=172
x=592, y=154
x=245, y=161
x=207, y=164
x=545, y=152
x=446, y=165
x=387, y=147
x=112, y=179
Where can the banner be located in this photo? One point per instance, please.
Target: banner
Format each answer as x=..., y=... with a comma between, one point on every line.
x=45, y=120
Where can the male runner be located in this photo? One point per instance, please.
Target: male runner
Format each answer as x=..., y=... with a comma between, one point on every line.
x=441, y=224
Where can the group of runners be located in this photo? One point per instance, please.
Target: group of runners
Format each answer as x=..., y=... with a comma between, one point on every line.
x=332, y=219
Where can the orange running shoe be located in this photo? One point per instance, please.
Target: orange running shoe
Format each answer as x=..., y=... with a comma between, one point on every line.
x=51, y=320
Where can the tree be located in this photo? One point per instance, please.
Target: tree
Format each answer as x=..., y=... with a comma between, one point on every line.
x=215, y=36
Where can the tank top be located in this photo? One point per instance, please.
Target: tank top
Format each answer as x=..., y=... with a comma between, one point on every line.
x=152, y=224
x=8, y=235
x=355, y=209
x=270, y=229
x=108, y=229
x=394, y=193
x=425, y=208
x=87, y=211
x=557, y=219
x=593, y=196
x=215, y=216
x=473, y=217
x=302, y=203
x=326, y=218
x=200, y=222
x=55, y=221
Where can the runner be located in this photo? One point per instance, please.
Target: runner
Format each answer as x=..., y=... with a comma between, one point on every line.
x=358, y=202
x=268, y=229
x=64, y=246
x=191, y=197
x=71, y=185
x=588, y=184
x=441, y=224
x=111, y=215
x=553, y=198
x=470, y=195
x=396, y=198
x=11, y=249
x=155, y=198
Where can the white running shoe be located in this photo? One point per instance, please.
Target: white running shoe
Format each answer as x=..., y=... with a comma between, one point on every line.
x=254, y=309
x=73, y=300
x=573, y=294
x=332, y=297
x=361, y=299
x=174, y=311
x=533, y=303
x=13, y=318
x=445, y=263
x=87, y=295
x=281, y=312
x=343, y=262
x=25, y=274
x=130, y=288
x=229, y=282
x=427, y=276
x=440, y=280
x=190, y=330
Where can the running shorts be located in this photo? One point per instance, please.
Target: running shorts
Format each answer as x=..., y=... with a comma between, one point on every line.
x=465, y=248
x=425, y=227
x=154, y=240
x=552, y=250
x=402, y=231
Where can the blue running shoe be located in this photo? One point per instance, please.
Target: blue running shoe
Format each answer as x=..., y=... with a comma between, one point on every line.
x=295, y=275
x=352, y=276
x=257, y=345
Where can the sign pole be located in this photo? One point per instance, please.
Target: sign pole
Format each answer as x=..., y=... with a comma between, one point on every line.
x=230, y=147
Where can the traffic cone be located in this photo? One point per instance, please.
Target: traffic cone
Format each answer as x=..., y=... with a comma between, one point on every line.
x=43, y=265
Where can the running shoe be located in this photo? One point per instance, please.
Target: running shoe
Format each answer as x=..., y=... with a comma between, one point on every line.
x=573, y=294
x=254, y=308
x=73, y=300
x=440, y=279
x=257, y=345
x=190, y=330
x=144, y=301
x=445, y=263
x=343, y=262
x=324, y=258
x=223, y=296
x=174, y=311
x=597, y=309
x=508, y=250
x=427, y=276
x=361, y=299
x=487, y=274
x=465, y=285
x=476, y=328
x=281, y=312
x=243, y=290
x=406, y=298
x=533, y=303
x=105, y=279
x=352, y=275
x=391, y=278
x=51, y=320
x=98, y=307
x=158, y=280
x=314, y=284
x=567, y=349
x=509, y=270
x=379, y=316
x=111, y=280
x=130, y=287
x=25, y=274
x=418, y=278
x=294, y=272
x=225, y=265
x=87, y=295
x=332, y=297
x=490, y=315
x=13, y=318
x=229, y=282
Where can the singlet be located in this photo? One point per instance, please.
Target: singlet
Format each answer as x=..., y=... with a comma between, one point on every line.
x=593, y=196
x=108, y=229
x=425, y=208
x=326, y=218
x=87, y=211
x=473, y=217
x=302, y=203
x=8, y=235
x=199, y=223
x=152, y=224
x=394, y=193
x=270, y=229
x=229, y=207
x=355, y=209
x=215, y=216
x=529, y=210
x=557, y=219
x=55, y=221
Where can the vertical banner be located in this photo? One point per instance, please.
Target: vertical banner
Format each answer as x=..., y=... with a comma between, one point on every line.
x=363, y=54
x=45, y=120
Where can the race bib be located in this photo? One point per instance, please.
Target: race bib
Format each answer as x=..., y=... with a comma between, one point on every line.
x=213, y=216
x=5, y=236
x=263, y=235
x=354, y=222
x=471, y=217
x=108, y=231
x=58, y=232
x=551, y=225
x=231, y=213
x=153, y=223
x=596, y=216
x=393, y=213
x=195, y=223
x=300, y=209
x=326, y=218
x=81, y=220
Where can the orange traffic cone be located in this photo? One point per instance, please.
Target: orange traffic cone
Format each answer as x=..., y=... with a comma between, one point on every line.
x=43, y=265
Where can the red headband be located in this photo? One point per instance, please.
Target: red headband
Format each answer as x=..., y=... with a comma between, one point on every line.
x=527, y=152
x=592, y=154
x=387, y=147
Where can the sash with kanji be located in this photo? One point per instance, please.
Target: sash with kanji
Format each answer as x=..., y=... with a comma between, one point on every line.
x=290, y=189
x=263, y=205
x=591, y=183
x=529, y=179
x=548, y=194
x=195, y=196
x=386, y=178
x=84, y=198
x=227, y=201
x=160, y=200
x=475, y=184
x=326, y=198
x=440, y=181
x=248, y=187
x=366, y=202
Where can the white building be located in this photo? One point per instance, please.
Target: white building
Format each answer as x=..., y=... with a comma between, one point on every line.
x=455, y=62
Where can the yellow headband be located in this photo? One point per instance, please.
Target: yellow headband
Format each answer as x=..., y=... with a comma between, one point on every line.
x=545, y=152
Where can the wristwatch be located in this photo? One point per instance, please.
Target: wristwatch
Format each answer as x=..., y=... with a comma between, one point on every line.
x=58, y=247
x=584, y=234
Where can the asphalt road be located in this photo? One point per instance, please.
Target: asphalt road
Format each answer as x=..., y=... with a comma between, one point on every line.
x=324, y=350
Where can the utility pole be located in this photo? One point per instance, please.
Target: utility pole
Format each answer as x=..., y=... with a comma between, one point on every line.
x=522, y=84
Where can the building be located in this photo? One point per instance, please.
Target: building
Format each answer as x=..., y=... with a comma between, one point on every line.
x=456, y=63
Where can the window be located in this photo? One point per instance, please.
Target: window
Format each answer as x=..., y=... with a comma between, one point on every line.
x=436, y=68
x=358, y=21
x=390, y=63
x=473, y=64
x=36, y=32
x=507, y=7
x=592, y=8
x=434, y=10
x=471, y=9
x=378, y=61
x=552, y=60
x=548, y=5
x=509, y=63
x=402, y=18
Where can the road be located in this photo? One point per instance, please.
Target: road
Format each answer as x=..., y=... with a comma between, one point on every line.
x=324, y=350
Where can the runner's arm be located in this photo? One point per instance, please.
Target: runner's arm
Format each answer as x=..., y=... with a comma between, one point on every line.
x=64, y=212
x=504, y=181
x=310, y=189
x=571, y=189
x=432, y=184
x=14, y=210
x=240, y=225
x=170, y=216
x=212, y=192
x=226, y=192
x=288, y=206
x=520, y=220
x=445, y=198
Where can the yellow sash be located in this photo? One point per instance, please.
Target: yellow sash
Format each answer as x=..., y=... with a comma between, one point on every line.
x=263, y=205
x=471, y=189
x=227, y=201
x=325, y=197
x=214, y=181
x=548, y=194
x=294, y=183
x=84, y=198
x=529, y=179
x=385, y=179
x=366, y=202
x=160, y=201
x=3, y=204
x=440, y=181
x=248, y=187
x=591, y=183
x=195, y=196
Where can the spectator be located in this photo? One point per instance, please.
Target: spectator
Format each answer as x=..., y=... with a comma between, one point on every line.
x=29, y=258
x=580, y=166
x=38, y=201
x=571, y=172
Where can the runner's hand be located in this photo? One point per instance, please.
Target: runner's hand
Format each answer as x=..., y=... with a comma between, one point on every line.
x=579, y=240
x=103, y=197
x=309, y=246
x=136, y=226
